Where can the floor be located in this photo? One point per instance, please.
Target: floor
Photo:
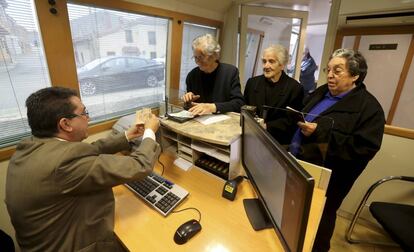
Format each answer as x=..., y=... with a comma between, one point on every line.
x=339, y=243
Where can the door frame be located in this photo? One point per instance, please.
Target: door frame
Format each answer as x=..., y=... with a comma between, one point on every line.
x=259, y=47
x=274, y=12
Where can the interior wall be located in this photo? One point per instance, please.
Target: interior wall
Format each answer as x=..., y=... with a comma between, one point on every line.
x=318, y=13
x=373, y=6
x=229, y=38
x=394, y=159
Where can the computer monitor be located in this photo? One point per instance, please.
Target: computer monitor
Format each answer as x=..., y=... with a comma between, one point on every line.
x=283, y=187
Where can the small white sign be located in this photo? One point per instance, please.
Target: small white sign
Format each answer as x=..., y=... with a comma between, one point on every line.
x=183, y=164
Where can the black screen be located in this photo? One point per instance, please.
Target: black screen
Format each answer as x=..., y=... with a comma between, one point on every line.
x=284, y=187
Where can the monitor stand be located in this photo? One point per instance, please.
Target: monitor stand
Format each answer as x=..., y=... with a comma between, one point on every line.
x=257, y=214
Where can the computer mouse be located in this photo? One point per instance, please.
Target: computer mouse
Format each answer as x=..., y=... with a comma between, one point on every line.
x=186, y=231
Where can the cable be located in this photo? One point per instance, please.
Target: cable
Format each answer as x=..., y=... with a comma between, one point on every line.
x=189, y=208
x=162, y=165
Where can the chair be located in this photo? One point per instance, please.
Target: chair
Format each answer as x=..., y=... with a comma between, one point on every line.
x=396, y=219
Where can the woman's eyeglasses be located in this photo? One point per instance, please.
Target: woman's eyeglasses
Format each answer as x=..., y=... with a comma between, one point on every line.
x=336, y=71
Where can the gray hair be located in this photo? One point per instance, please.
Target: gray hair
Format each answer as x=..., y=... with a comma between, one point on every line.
x=208, y=44
x=355, y=62
x=281, y=53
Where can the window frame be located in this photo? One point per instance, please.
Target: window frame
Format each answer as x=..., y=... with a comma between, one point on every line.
x=60, y=57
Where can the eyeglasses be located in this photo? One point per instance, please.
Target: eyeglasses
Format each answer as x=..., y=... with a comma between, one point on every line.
x=336, y=71
x=84, y=113
x=199, y=58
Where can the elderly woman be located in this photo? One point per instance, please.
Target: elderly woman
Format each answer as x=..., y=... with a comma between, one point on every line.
x=214, y=85
x=355, y=131
x=272, y=90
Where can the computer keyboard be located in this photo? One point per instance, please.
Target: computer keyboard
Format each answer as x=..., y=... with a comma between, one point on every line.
x=158, y=192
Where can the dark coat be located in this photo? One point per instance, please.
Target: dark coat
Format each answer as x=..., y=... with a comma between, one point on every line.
x=353, y=129
x=222, y=87
x=307, y=74
x=286, y=92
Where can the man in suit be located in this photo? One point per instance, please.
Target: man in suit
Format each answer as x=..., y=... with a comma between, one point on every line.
x=272, y=91
x=59, y=189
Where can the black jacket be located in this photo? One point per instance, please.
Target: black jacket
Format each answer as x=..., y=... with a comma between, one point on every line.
x=286, y=92
x=221, y=87
x=353, y=128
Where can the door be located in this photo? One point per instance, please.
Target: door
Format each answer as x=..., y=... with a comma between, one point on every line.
x=261, y=27
x=389, y=53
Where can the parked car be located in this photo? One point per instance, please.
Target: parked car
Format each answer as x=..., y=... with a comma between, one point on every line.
x=114, y=73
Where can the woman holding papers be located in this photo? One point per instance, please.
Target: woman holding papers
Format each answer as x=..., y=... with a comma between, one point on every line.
x=351, y=121
x=272, y=91
x=212, y=87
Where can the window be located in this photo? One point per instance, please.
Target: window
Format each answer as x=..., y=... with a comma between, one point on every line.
x=190, y=32
x=116, y=64
x=135, y=62
x=128, y=36
x=111, y=86
x=153, y=55
x=151, y=38
x=23, y=68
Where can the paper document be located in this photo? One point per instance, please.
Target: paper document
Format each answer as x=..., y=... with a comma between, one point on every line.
x=182, y=114
x=295, y=115
x=183, y=164
x=211, y=151
x=210, y=119
x=142, y=115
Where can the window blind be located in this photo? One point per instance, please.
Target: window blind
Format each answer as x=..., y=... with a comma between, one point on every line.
x=190, y=32
x=23, y=68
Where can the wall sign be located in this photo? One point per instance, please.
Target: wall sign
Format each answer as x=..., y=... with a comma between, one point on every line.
x=383, y=46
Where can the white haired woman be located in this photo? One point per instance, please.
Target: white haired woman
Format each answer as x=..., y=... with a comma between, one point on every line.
x=273, y=91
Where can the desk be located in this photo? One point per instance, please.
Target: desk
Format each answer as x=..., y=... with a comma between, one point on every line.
x=225, y=226
x=221, y=133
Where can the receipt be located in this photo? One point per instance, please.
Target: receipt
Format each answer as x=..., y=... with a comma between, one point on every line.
x=182, y=114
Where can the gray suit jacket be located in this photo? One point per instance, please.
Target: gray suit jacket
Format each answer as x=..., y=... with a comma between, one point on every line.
x=59, y=194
